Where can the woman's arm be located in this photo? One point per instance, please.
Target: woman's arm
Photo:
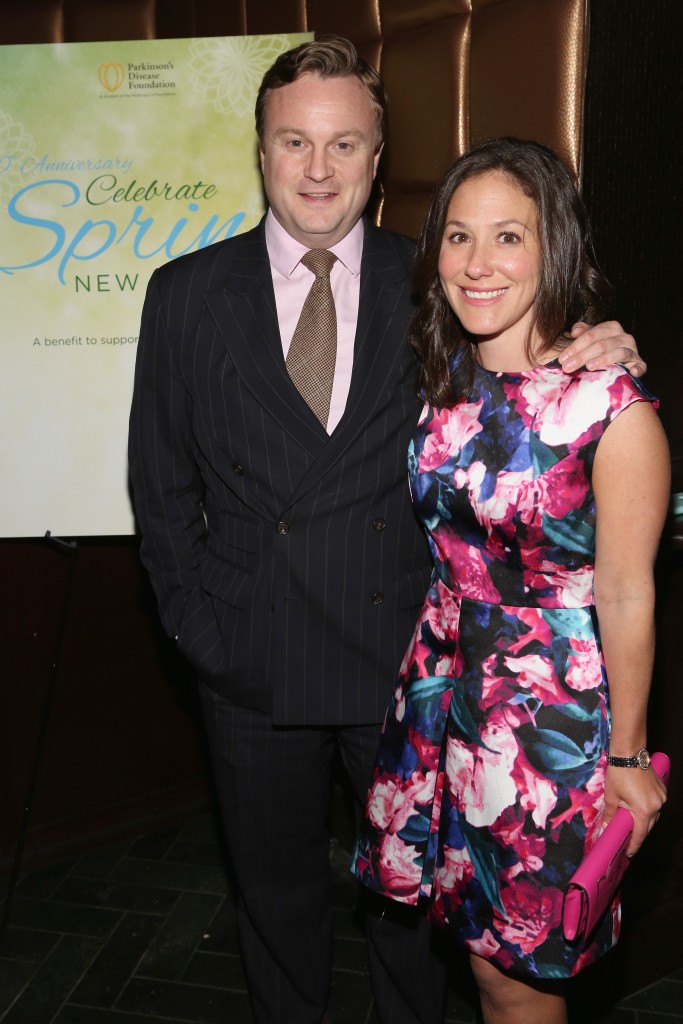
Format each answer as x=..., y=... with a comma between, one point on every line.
x=631, y=486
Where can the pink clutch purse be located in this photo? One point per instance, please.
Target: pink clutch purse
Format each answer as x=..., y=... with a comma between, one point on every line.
x=591, y=887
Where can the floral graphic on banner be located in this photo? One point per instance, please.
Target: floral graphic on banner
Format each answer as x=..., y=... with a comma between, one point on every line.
x=14, y=139
x=228, y=71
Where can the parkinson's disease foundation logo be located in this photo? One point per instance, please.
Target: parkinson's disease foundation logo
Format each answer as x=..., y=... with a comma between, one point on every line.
x=138, y=78
x=111, y=76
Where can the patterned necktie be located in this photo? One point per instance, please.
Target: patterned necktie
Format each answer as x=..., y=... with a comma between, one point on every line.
x=313, y=352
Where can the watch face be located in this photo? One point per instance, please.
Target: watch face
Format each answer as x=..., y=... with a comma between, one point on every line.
x=643, y=759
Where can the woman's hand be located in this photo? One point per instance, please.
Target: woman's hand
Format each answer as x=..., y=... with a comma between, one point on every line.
x=642, y=793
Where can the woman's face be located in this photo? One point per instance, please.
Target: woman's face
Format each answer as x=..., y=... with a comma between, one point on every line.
x=490, y=263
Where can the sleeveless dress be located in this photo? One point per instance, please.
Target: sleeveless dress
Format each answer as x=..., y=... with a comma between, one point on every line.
x=489, y=779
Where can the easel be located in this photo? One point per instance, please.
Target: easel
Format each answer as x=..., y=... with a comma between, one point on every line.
x=69, y=548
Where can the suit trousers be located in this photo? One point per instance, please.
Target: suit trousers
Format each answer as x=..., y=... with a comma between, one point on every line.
x=273, y=784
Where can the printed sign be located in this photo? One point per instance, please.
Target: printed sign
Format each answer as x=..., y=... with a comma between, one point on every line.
x=114, y=158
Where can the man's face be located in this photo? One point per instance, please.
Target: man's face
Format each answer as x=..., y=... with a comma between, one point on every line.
x=319, y=157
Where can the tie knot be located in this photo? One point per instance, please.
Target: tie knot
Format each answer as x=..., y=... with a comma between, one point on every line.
x=320, y=261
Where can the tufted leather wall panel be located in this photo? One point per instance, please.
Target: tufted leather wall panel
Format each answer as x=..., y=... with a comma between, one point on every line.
x=456, y=71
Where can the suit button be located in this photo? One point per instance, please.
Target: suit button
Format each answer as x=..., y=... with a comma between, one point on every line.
x=237, y=469
x=377, y=597
x=379, y=524
x=282, y=529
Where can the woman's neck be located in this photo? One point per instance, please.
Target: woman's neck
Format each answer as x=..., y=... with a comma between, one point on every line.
x=513, y=358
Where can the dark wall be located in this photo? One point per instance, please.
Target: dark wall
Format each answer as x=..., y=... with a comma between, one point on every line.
x=634, y=192
x=633, y=183
x=123, y=750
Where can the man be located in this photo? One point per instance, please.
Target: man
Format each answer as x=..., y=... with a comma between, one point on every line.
x=279, y=537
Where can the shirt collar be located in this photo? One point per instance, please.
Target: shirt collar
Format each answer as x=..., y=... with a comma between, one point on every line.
x=285, y=252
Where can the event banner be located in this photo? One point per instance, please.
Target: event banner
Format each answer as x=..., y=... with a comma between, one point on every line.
x=114, y=158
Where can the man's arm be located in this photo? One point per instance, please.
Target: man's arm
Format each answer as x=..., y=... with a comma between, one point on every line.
x=167, y=486
x=602, y=345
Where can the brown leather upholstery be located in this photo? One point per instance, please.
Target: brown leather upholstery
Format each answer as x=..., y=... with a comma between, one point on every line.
x=460, y=72
x=457, y=71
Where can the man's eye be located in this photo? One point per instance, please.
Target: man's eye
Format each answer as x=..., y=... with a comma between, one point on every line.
x=295, y=143
x=344, y=145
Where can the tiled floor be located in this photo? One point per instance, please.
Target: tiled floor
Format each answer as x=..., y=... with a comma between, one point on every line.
x=143, y=932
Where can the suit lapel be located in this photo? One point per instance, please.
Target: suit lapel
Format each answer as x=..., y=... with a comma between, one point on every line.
x=380, y=334
x=244, y=311
x=243, y=307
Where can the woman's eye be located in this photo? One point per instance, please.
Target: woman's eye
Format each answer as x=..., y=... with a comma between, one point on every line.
x=457, y=238
x=509, y=237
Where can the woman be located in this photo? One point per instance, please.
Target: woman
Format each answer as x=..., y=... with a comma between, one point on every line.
x=544, y=495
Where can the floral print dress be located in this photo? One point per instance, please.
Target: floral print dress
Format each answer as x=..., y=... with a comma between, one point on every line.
x=488, y=785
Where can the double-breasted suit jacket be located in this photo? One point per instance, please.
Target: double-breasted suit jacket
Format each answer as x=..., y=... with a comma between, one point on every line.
x=288, y=563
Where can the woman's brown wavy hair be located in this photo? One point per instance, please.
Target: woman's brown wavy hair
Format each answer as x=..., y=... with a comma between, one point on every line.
x=571, y=285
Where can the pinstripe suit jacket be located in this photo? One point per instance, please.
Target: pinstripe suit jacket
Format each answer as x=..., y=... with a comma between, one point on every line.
x=287, y=562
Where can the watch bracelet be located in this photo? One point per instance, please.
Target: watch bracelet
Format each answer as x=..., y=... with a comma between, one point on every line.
x=639, y=760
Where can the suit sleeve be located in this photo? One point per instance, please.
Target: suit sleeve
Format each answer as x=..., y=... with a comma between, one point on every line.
x=167, y=486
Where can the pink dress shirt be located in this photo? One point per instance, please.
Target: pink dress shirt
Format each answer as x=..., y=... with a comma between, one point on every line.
x=292, y=282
